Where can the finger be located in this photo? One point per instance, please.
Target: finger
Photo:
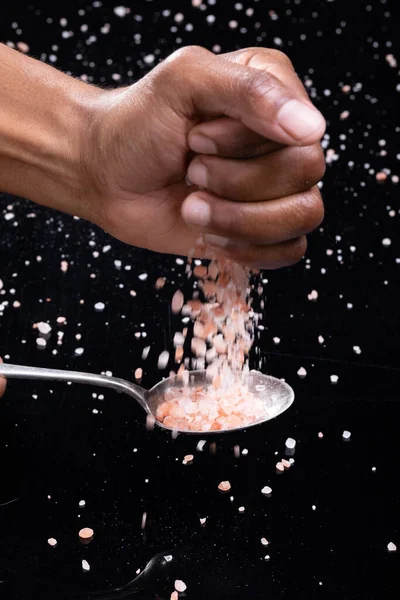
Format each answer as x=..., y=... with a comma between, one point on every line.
x=274, y=256
x=273, y=61
x=267, y=222
x=229, y=138
x=3, y=382
x=212, y=86
x=282, y=173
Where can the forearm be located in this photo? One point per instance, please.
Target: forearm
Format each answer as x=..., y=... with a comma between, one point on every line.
x=44, y=116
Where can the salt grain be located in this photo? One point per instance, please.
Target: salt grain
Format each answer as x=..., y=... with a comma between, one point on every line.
x=264, y=541
x=302, y=372
x=334, y=379
x=346, y=435
x=163, y=360
x=52, y=542
x=290, y=443
x=267, y=491
x=85, y=566
x=392, y=547
x=180, y=586
x=86, y=534
x=224, y=486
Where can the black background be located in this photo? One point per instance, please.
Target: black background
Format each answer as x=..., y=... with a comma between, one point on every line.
x=54, y=451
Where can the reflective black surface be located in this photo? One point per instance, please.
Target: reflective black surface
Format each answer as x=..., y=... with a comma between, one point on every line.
x=54, y=451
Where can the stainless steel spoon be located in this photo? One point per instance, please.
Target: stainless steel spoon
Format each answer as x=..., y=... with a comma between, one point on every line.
x=277, y=395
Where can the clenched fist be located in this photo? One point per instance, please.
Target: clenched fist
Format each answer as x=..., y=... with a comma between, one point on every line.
x=217, y=153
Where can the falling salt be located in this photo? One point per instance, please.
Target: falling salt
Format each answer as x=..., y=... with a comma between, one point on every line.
x=392, y=547
x=241, y=509
x=52, y=542
x=267, y=491
x=224, y=486
x=290, y=444
x=346, y=435
x=386, y=242
x=334, y=378
x=43, y=328
x=99, y=306
x=163, y=360
x=203, y=521
x=41, y=343
x=82, y=503
x=302, y=372
x=144, y=519
x=79, y=351
x=357, y=349
x=85, y=566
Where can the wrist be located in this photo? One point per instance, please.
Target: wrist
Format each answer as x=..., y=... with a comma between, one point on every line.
x=45, y=116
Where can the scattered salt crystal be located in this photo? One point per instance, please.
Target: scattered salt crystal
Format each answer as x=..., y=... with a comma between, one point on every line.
x=150, y=422
x=236, y=451
x=143, y=276
x=200, y=445
x=267, y=557
x=64, y=266
x=241, y=509
x=334, y=378
x=314, y=507
x=203, y=521
x=286, y=463
x=313, y=295
x=145, y=352
x=52, y=542
x=41, y=343
x=99, y=306
x=85, y=566
x=290, y=443
x=264, y=541
x=86, y=534
x=392, y=547
x=138, y=373
x=357, y=349
x=276, y=340
x=245, y=452
x=279, y=467
x=43, y=328
x=346, y=435
x=82, y=503
x=267, y=491
x=320, y=435
x=302, y=372
x=144, y=519
x=174, y=596
x=61, y=320
x=180, y=586
x=224, y=486
x=386, y=242
x=321, y=339
x=188, y=459
x=168, y=558
x=163, y=360
x=121, y=11
x=177, y=302
x=79, y=351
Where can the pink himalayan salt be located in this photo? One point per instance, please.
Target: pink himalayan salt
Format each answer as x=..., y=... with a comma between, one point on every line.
x=138, y=373
x=174, y=596
x=188, y=459
x=177, y=302
x=210, y=408
x=159, y=284
x=224, y=486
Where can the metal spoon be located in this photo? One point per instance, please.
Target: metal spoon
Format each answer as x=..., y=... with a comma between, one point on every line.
x=278, y=395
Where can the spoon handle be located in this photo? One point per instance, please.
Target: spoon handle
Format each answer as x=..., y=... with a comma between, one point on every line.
x=120, y=385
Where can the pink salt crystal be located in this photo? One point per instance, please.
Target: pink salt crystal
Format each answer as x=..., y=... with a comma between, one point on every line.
x=150, y=422
x=203, y=521
x=224, y=486
x=64, y=266
x=199, y=347
x=61, y=320
x=381, y=177
x=174, y=596
x=200, y=271
x=320, y=435
x=344, y=115
x=23, y=47
x=52, y=542
x=160, y=282
x=138, y=373
x=264, y=541
x=279, y=467
x=180, y=586
x=346, y=89
x=188, y=459
x=177, y=302
x=286, y=463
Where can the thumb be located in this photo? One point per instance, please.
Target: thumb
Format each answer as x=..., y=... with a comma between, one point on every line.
x=196, y=81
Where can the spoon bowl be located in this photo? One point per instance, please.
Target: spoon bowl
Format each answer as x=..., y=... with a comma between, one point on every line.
x=277, y=395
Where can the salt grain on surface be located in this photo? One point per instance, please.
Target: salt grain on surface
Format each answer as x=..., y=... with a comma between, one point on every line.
x=180, y=586
x=224, y=486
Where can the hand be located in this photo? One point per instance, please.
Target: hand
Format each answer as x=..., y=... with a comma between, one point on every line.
x=239, y=125
x=3, y=382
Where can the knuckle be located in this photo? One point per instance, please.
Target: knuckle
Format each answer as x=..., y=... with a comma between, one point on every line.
x=257, y=85
x=311, y=210
x=186, y=54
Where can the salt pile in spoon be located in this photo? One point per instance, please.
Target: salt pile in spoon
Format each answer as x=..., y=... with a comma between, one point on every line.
x=223, y=335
